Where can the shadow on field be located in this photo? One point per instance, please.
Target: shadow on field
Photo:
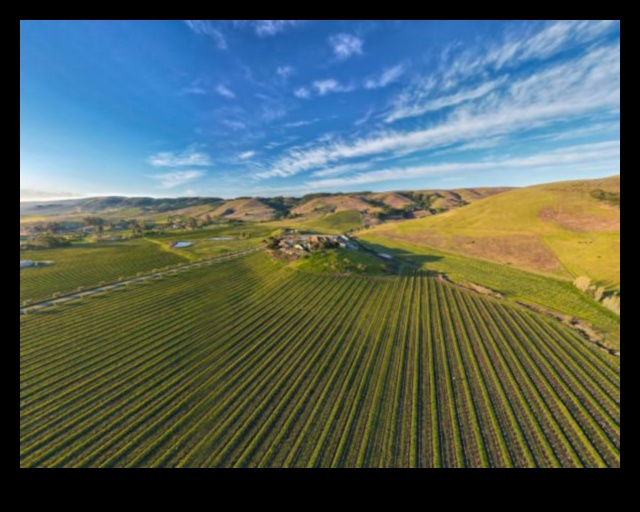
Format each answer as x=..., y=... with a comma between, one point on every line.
x=410, y=258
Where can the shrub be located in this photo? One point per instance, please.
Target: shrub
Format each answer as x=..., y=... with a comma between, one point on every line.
x=612, y=302
x=582, y=283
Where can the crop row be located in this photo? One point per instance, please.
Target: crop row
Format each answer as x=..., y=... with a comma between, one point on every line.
x=245, y=363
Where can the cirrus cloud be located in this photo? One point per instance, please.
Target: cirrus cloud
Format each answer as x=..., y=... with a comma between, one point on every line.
x=188, y=157
x=176, y=178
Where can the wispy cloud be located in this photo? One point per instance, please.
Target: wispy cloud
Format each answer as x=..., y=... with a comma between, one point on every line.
x=604, y=155
x=526, y=43
x=284, y=72
x=302, y=93
x=223, y=90
x=268, y=27
x=387, y=77
x=176, y=178
x=586, y=131
x=341, y=169
x=586, y=85
x=205, y=27
x=365, y=118
x=188, y=157
x=195, y=88
x=491, y=61
x=298, y=124
x=345, y=45
x=234, y=124
x=551, y=39
x=247, y=155
x=412, y=107
x=331, y=85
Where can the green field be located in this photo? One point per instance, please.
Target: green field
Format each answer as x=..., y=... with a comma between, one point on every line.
x=336, y=223
x=249, y=363
x=555, y=294
x=88, y=265
x=342, y=261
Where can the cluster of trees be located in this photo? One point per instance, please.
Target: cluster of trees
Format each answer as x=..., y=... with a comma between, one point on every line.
x=609, y=197
x=51, y=228
x=421, y=200
x=95, y=222
x=395, y=213
x=609, y=300
x=45, y=242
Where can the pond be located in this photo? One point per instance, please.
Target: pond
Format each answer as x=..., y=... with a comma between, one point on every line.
x=182, y=245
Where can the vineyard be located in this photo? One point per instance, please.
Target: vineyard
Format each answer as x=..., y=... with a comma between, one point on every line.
x=517, y=284
x=88, y=265
x=246, y=363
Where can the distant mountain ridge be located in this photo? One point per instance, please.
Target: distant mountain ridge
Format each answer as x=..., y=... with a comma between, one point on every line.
x=110, y=204
x=373, y=206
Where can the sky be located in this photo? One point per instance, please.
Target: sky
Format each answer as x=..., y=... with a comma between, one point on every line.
x=229, y=108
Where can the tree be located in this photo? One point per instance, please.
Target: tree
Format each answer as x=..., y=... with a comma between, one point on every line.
x=136, y=226
x=53, y=227
x=97, y=222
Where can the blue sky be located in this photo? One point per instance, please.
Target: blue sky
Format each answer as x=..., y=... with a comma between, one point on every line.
x=289, y=107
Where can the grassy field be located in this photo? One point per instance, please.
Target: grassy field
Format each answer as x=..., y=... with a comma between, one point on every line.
x=88, y=265
x=558, y=229
x=516, y=284
x=341, y=261
x=211, y=243
x=247, y=363
x=335, y=223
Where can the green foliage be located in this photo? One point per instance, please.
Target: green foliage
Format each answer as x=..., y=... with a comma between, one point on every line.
x=340, y=261
x=394, y=213
x=45, y=242
x=608, y=197
x=248, y=364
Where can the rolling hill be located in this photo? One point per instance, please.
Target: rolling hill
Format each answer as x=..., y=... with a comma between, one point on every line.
x=111, y=205
x=566, y=229
x=372, y=208
x=248, y=210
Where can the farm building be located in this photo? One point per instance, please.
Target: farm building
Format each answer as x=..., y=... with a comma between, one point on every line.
x=27, y=264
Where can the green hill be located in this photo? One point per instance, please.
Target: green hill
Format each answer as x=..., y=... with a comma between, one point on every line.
x=566, y=229
x=338, y=222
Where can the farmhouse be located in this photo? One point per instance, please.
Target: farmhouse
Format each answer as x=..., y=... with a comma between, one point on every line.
x=299, y=245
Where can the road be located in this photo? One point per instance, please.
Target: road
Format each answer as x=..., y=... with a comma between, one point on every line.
x=139, y=279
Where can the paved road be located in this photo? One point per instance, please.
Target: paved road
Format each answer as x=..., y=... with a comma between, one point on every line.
x=140, y=279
